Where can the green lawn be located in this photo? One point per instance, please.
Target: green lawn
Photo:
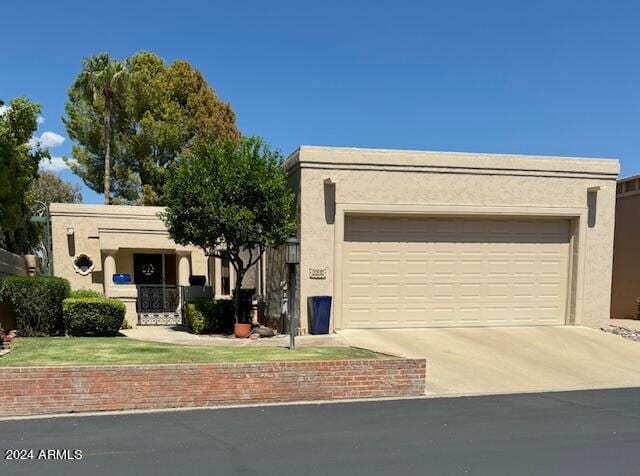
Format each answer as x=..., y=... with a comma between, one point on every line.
x=42, y=351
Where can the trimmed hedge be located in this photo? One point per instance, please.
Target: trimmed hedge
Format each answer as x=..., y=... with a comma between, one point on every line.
x=93, y=316
x=85, y=293
x=210, y=317
x=196, y=312
x=37, y=303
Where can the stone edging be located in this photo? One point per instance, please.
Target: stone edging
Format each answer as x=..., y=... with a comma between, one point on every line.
x=48, y=390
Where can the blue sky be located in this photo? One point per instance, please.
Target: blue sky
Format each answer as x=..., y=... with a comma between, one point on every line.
x=544, y=77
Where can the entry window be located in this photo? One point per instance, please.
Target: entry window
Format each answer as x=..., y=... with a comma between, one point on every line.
x=225, y=275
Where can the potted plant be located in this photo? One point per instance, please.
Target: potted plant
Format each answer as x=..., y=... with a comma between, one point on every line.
x=197, y=280
x=121, y=278
x=242, y=329
x=242, y=325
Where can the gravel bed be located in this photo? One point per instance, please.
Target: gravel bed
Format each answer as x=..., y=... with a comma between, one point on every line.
x=623, y=332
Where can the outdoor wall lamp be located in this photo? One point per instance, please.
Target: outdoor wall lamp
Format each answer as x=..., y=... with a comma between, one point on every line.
x=292, y=255
x=292, y=258
x=70, y=231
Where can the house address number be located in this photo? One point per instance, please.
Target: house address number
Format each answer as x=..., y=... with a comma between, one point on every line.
x=318, y=273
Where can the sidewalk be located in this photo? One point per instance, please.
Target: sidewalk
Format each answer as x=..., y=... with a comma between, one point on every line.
x=179, y=335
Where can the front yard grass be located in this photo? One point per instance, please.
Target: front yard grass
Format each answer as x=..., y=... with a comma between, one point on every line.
x=47, y=351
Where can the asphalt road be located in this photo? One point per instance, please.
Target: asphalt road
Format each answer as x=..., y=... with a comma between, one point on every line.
x=570, y=433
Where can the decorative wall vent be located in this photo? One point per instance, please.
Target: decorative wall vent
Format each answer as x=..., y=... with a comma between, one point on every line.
x=318, y=273
x=83, y=264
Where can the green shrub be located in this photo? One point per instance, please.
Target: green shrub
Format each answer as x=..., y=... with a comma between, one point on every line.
x=93, y=316
x=205, y=317
x=85, y=293
x=36, y=302
x=196, y=315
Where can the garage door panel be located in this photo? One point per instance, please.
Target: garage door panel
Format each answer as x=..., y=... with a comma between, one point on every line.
x=408, y=272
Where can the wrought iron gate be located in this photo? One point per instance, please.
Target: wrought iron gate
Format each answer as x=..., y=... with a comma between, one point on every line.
x=158, y=304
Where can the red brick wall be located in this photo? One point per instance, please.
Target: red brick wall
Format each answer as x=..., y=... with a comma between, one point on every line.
x=40, y=390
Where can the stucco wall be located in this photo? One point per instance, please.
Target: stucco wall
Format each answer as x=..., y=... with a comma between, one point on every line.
x=626, y=261
x=399, y=181
x=124, y=262
x=65, y=249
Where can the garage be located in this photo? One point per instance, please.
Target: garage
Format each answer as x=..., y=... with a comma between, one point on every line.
x=420, y=239
x=408, y=271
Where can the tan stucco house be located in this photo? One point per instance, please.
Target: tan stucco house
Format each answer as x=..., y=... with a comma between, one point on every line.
x=429, y=239
x=91, y=243
x=625, y=289
x=399, y=239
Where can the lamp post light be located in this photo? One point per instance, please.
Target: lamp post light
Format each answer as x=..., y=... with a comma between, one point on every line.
x=292, y=258
x=42, y=216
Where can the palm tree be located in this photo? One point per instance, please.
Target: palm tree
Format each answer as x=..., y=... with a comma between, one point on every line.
x=101, y=78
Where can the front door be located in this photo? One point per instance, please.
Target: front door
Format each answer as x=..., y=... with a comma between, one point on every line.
x=147, y=268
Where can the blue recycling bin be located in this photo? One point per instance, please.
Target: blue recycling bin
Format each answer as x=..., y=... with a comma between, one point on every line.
x=320, y=312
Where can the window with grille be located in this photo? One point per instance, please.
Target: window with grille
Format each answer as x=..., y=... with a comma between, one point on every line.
x=225, y=275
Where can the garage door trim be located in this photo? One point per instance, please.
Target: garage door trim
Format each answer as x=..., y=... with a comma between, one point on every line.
x=577, y=217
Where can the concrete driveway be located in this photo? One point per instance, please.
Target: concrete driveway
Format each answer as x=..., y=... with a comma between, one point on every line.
x=484, y=361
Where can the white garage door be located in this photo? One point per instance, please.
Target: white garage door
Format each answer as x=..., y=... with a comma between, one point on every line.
x=447, y=272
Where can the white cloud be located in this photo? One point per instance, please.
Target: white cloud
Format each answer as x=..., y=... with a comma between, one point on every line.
x=3, y=109
x=47, y=139
x=40, y=120
x=56, y=164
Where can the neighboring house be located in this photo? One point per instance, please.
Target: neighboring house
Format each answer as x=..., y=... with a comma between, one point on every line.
x=625, y=288
x=91, y=243
x=428, y=239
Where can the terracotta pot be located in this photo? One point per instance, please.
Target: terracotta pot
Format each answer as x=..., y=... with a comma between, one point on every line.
x=241, y=330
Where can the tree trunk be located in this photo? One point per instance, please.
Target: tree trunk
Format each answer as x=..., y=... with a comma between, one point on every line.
x=236, y=295
x=107, y=148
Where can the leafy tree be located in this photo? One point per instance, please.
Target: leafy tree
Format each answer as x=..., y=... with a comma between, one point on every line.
x=173, y=106
x=18, y=169
x=232, y=200
x=163, y=109
x=49, y=188
x=95, y=91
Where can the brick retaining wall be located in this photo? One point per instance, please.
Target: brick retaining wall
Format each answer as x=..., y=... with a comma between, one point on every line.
x=42, y=390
